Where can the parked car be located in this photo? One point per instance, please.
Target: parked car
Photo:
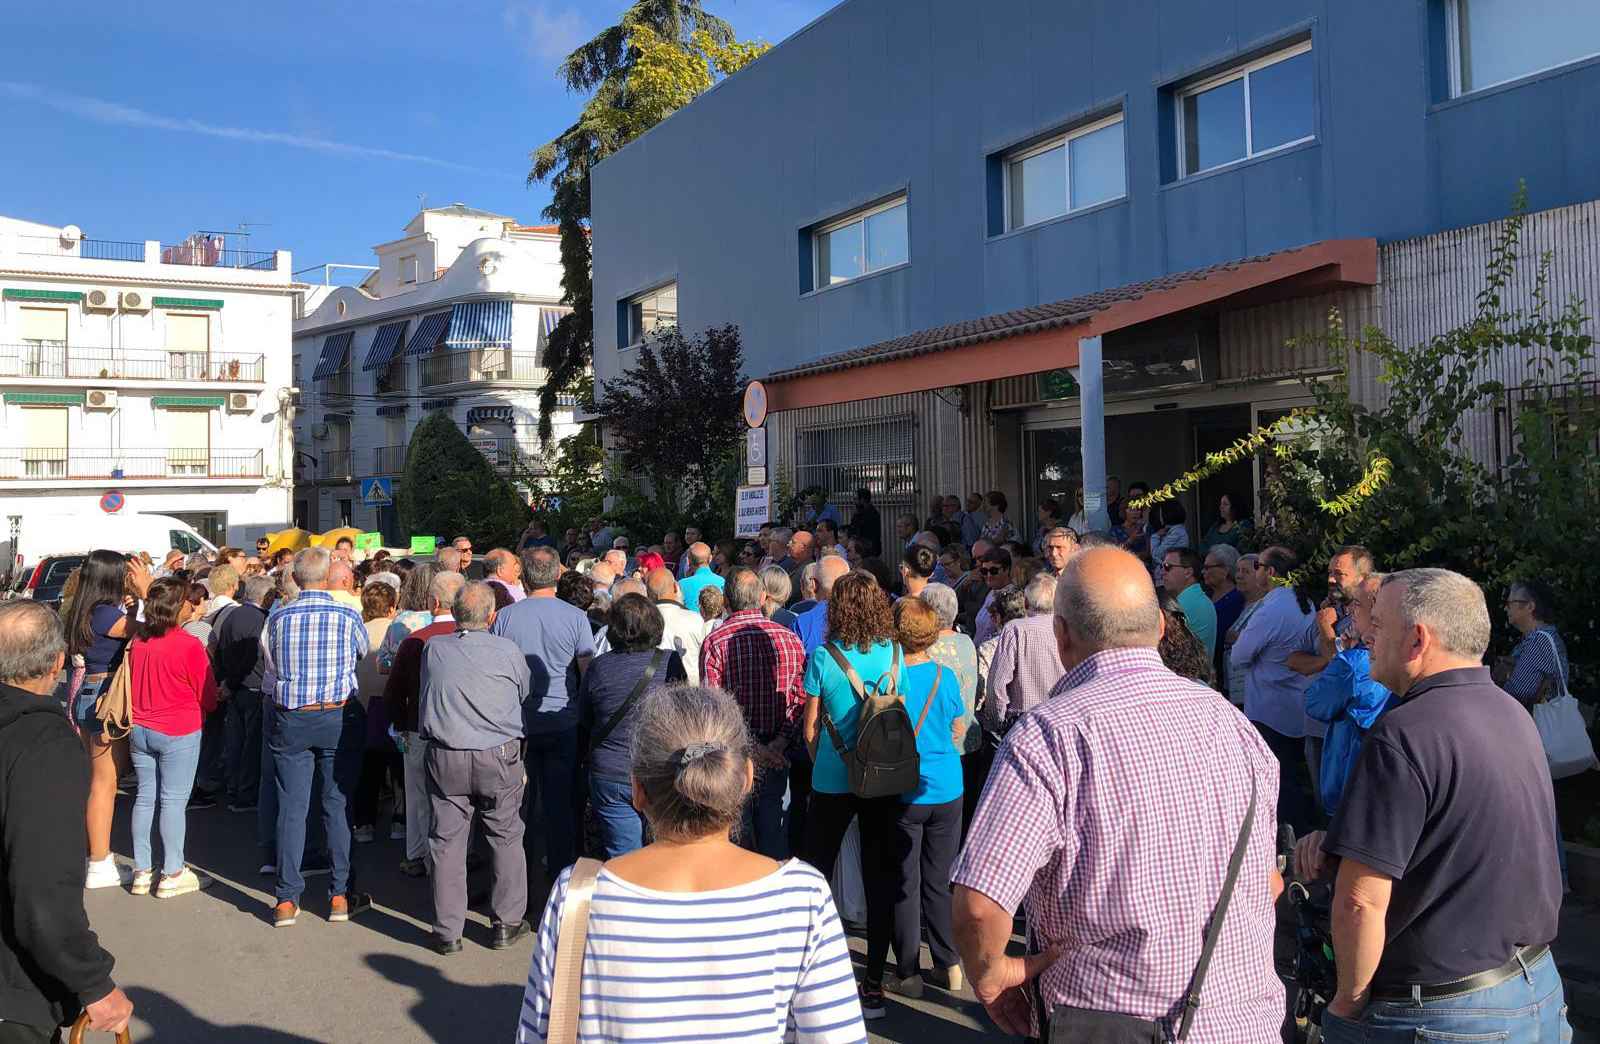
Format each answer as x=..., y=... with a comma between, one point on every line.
x=44, y=580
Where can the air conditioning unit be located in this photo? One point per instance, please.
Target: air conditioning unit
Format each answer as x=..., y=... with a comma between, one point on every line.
x=319, y=431
x=134, y=301
x=100, y=399
x=99, y=299
x=241, y=402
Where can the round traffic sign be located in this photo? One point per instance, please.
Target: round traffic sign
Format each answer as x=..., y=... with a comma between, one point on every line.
x=111, y=501
x=755, y=404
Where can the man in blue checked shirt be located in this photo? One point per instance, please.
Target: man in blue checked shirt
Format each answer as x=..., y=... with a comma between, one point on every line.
x=316, y=729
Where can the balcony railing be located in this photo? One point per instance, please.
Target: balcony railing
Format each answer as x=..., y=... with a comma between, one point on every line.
x=395, y=378
x=509, y=456
x=88, y=249
x=335, y=387
x=49, y=359
x=335, y=464
x=388, y=460
x=476, y=365
x=59, y=464
x=207, y=256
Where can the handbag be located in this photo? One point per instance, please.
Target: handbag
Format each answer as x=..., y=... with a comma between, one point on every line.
x=114, y=706
x=564, y=998
x=1087, y=1026
x=81, y=1026
x=1567, y=746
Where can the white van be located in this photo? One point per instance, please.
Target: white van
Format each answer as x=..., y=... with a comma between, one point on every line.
x=42, y=535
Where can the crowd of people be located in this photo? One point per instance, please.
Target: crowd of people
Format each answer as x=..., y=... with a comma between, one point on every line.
x=1099, y=729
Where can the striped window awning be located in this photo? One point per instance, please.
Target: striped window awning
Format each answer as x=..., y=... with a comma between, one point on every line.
x=548, y=318
x=477, y=414
x=386, y=345
x=209, y=401
x=430, y=331
x=44, y=398
x=334, y=349
x=478, y=323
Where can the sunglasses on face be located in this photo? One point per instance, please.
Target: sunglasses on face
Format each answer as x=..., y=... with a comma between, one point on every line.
x=991, y=570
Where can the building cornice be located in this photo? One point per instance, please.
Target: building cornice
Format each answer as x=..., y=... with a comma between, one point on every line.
x=145, y=281
x=420, y=308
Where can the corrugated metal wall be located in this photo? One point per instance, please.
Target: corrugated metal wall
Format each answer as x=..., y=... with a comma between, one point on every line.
x=1431, y=284
x=1255, y=341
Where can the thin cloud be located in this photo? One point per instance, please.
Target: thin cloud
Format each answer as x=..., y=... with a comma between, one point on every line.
x=546, y=34
x=116, y=114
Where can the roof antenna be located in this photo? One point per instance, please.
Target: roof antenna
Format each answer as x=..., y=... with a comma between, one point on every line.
x=422, y=201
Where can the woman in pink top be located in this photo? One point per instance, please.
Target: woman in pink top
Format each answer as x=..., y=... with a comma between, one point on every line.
x=173, y=689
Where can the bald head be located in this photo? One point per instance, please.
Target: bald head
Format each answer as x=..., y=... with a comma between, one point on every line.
x=699, y=555
x=661, y=585
x=602, y=573
x=32, y=646
x=628, y=587
x=802, y=546
x=1105, y=600
x=830, y=569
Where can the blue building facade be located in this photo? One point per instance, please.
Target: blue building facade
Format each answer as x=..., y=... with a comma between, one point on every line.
x=1191, y=133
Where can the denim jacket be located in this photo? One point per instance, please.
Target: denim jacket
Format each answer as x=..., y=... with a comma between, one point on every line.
x=1345, y=696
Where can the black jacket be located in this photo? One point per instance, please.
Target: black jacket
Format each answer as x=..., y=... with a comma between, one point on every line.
x=51, y=963
x=236, y=648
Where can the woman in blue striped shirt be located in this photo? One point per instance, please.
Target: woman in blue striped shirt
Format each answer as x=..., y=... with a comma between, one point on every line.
x=692, y=938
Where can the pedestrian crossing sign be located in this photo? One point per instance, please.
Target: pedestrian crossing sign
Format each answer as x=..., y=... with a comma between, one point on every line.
x=377, y=492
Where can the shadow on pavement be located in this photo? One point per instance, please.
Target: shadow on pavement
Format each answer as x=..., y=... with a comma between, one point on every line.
x=443, y=1007
x=172, y=1023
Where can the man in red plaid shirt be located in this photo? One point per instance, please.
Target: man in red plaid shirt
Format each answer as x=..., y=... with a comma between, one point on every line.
x=761, y=664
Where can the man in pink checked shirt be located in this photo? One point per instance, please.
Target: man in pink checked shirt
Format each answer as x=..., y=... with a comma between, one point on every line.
x=1112, y=811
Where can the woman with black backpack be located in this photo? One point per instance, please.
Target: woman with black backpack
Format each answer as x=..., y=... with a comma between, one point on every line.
x=847, y=674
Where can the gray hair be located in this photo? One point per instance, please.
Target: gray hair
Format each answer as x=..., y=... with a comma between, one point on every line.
x=1252, y=558
x=783, y=534
x=288, y=590
x=446, y=585
x=743, y=589
x=691, y=751
x=31, y=641
x=1107, y=618
x=1040, y=594
x=627, y=587
x=311, y=566
x=541, y=567
x=257, y=589
x=941, y=598
x=473, y=604
x=1062, y=531
x=1226, y=555
x=448, y=559
x=927, y=540
x=777, y=583
x=386, y=578
x=1449, y=605
x=416, y=590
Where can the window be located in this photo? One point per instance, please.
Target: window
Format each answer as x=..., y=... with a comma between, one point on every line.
x=43, y=332
x=1248, y=110
x=1076, y=170
x=865, y=242
x=188, y=441
x=44, y=441
x=1494, y=41
x=408, y=269
x=645, y=314
x=188, y=341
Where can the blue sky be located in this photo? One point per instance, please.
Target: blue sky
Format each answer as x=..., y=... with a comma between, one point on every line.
x=321, y=122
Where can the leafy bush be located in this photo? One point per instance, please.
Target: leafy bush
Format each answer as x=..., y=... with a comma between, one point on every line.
x=449, y=489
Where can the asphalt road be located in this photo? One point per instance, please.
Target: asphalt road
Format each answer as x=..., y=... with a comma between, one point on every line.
x=210, y=967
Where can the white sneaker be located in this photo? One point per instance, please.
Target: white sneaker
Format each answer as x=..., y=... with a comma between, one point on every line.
x=363, y=835
x=397, y=831
x=107, y=874
x=268, y=869
x=142, y=880
x=181, y=883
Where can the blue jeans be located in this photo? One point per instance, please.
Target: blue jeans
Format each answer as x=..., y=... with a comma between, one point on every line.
x=325, y=745
x=84, y=702
x=761, y=826
x=552, y=760
x=1525, y=1009
x=621, y=825
x=165, y=765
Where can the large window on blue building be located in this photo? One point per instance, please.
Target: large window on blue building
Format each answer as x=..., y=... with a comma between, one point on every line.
x=1248, y=110
x=860, y=243
x=1494, y=41
x=1080, y=168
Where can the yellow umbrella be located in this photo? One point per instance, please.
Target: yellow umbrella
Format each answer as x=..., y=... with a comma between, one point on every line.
x=293, y=539
x=332, y=536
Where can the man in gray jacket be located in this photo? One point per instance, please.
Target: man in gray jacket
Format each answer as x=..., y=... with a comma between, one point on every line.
x=473, y=686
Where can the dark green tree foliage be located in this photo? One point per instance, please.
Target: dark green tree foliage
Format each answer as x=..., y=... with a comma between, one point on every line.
x=450, y=489
x=676, y=419
x=602, y=66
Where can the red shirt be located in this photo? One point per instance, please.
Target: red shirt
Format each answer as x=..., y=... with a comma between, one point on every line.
x=403, y=693
x=762, y=664
x=172, y=683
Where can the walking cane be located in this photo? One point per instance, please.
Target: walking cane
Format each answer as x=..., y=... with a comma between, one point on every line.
x=81, y=1027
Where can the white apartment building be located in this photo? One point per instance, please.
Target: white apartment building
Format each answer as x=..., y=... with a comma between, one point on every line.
x=150, y=370
x=454, y=317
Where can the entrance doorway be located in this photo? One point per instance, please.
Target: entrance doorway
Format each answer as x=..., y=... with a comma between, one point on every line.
x=1216, y=429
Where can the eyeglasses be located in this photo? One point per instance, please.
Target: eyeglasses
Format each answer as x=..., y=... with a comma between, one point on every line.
x=991, y=570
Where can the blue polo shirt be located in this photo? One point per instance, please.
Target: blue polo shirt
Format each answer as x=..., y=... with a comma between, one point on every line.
x=811, y=626
x=691, y=586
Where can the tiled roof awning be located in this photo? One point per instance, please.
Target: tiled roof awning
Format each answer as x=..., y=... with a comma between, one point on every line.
x=478, y=323
x=331, y=361
x=430, y=331
x=1045, y=337
x=385, y=345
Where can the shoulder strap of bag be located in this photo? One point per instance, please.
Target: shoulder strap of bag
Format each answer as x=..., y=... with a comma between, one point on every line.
x=563, y=1027
x=627, y=705
x=857, y=686
x=1191, y=1002
x=1555, y=654
x=933, y=694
